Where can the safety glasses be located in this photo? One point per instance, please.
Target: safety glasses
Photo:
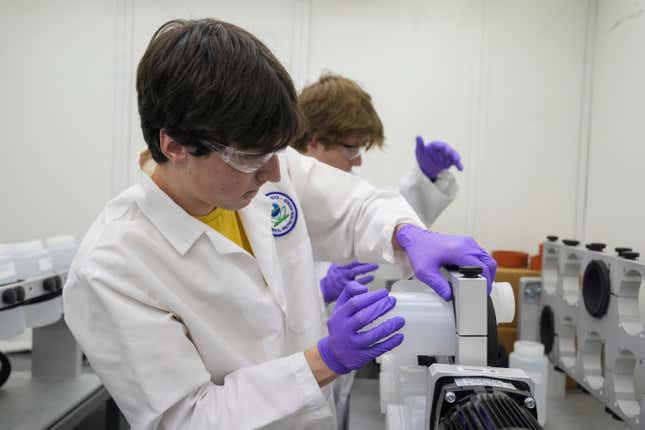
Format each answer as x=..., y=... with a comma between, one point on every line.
x=245, y=162
x=351, y=151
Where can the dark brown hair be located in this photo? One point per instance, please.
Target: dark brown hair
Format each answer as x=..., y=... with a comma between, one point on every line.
x=335, y=108
x=210, y=80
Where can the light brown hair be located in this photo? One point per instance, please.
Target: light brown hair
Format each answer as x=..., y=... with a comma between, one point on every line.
x=334, y=108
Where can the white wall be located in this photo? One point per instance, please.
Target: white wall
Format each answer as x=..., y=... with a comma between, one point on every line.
x=68, y=105
x=56, y=115
x=419, y=61
x=501, y=80
x=616, y=201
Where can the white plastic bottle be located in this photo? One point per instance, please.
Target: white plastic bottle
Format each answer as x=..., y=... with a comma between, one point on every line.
x=388, y=392
x=529, y=356
x=413, y=387
x=8, y=273
x=62, y=250
x=31, y=259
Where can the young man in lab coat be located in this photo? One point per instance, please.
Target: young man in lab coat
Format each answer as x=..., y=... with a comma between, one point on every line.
x=341, y=122
x=193, y=293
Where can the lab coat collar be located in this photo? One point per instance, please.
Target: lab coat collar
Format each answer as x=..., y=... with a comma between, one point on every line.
x=182, y=230
x=177, y=226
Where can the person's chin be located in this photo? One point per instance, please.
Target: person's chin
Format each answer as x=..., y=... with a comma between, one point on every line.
x=250, y=194
x=241, y=203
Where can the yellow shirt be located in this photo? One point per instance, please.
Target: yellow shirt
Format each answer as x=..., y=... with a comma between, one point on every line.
x=228, y=223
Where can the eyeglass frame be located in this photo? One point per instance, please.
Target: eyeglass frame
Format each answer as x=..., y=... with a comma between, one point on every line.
x=348, y=149
x=226, y=153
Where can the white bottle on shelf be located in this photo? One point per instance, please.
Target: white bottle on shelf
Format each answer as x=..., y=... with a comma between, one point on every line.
x=529, y=356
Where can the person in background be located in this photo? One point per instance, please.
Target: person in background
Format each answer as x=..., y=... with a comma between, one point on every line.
x=341, y=122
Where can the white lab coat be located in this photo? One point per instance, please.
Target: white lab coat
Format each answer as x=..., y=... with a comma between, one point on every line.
x=428, y=198
x=189, y=331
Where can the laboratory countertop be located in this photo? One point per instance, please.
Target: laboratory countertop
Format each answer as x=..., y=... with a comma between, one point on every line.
x=28, y=403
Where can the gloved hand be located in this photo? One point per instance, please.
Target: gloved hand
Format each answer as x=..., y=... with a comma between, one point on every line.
x=351, y=289
x=337, y=278
x=429, y=251
x=435, y=157
x=345, y=349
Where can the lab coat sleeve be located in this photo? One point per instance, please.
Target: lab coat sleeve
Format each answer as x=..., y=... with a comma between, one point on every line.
x=144, y=356
x=428, y=198
x=346, y=217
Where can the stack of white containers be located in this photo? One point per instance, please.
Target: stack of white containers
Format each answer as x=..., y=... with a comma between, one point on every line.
x=61, y=250
x=26, y=261
x=12, y=321
x=429, y=331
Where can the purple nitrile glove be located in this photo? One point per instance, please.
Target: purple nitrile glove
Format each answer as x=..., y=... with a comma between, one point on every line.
x=337, y=278
x=429, y=251
x=351, y=289
x=346, y=348
x=435, y=157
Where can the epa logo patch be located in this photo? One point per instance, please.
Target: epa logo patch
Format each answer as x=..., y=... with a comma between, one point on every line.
x=284, y=213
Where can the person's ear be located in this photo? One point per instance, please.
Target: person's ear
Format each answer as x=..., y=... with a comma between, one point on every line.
x=173, y=151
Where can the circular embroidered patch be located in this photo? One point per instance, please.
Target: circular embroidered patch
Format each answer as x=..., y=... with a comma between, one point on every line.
x=284, y=213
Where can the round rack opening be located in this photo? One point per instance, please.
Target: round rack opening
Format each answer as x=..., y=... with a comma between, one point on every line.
x=593, y=359
x=550, y=270
x=547, y=329
x=596, y=288
x=625, y=388
x=567, y=344
x=570, y=279
x=628, y=302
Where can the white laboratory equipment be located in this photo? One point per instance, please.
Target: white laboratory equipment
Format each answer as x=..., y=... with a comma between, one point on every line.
x=441, y=370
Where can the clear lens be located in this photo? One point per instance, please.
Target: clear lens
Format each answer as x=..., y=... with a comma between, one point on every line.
x=352, y=151
x=245, y=162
